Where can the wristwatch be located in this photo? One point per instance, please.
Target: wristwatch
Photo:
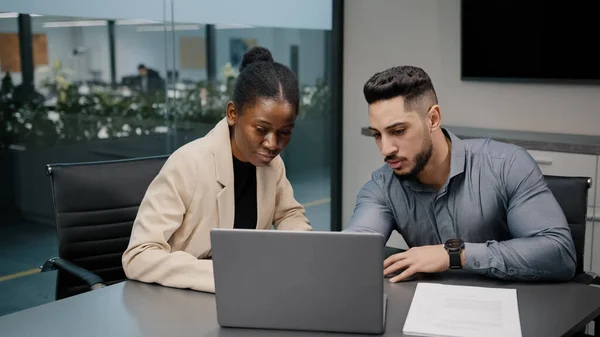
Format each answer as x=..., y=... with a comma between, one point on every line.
x=454, y=247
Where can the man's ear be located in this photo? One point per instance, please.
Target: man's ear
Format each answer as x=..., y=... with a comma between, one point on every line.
x=232, y=114
x=434, y=118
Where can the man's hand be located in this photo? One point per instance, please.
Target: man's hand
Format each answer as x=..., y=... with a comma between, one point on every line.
x=425, y=259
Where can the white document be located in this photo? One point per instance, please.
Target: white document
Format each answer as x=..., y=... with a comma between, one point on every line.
x=463, y=311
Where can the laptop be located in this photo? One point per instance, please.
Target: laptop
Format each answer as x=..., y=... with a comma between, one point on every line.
x=299, y=280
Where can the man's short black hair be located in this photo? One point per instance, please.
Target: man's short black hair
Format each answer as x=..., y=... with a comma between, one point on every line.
x=410, y=82
x=141, y=66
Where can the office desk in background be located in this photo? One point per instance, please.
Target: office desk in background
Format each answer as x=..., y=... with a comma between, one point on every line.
x=132, y=309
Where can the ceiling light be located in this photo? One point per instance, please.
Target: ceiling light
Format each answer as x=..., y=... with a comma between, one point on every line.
x=168, y=28
x=127, y=22
x=231, y=26
x=9, y=15
x=62, y=24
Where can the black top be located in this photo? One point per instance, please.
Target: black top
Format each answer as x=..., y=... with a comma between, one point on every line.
x=244, y=178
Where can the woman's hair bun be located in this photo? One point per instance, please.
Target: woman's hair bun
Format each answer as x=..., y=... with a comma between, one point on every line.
x=256, y=54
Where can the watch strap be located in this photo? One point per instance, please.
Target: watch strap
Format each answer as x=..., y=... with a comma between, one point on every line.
x=455, y=260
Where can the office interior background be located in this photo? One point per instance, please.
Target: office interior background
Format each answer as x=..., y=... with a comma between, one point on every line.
x=89, y=103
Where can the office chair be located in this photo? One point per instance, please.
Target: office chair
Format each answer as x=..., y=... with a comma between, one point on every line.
x=571, y=194
x=95, y=204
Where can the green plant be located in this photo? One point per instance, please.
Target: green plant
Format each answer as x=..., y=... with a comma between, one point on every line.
x=21, y=116
x=315, y=100
x=55, y=79
x=104, y=112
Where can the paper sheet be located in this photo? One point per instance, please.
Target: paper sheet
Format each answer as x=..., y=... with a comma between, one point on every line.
x=449, y=310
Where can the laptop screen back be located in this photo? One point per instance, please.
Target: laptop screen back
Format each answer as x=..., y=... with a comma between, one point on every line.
x=293, y=280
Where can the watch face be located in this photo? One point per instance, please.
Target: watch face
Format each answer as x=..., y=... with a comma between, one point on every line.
x=454, y=243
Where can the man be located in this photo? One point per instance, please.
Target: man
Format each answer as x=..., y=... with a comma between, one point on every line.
x=149, y=80
x=478, y=205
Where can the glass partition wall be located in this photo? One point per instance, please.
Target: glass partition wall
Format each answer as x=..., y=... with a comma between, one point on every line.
x=205, y=62
x=85, y=88
x=71, y=91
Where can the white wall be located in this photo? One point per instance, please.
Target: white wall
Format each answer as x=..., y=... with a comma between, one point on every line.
x=133, y=47
x=382, y=33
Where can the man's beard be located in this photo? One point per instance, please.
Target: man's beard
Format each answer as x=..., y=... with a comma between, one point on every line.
x=421, y=159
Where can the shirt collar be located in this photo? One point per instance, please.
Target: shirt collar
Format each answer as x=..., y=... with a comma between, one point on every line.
x=457, y=163
x=457, y=157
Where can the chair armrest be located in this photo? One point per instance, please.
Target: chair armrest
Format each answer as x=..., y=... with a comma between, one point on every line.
x=587, y=278
x=94, y=281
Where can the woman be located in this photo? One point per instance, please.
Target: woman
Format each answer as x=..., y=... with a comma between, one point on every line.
x=231, y=178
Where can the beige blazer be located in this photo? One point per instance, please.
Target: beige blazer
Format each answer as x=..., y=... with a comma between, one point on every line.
x=193, y=193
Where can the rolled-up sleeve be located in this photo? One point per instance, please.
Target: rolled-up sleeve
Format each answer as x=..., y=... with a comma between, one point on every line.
x=371, y=213
x=542, y=247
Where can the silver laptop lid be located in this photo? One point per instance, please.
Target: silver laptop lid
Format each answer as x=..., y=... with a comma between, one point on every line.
x=319, y=281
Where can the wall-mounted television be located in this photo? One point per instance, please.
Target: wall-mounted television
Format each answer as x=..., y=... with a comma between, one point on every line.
x=530, y=40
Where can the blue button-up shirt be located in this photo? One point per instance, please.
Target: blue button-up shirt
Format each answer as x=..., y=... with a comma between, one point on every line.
x=495, y=199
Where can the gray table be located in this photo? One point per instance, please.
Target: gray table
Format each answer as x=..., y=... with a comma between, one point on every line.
x=134, y=309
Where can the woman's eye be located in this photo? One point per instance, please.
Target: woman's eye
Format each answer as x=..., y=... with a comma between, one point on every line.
x=285, y=133
x=261, y=129
x=376, y=135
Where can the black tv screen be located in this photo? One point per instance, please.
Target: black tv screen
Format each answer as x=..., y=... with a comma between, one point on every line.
x=530, y=39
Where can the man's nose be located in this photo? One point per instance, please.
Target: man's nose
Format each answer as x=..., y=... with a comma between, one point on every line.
x=387, y=147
